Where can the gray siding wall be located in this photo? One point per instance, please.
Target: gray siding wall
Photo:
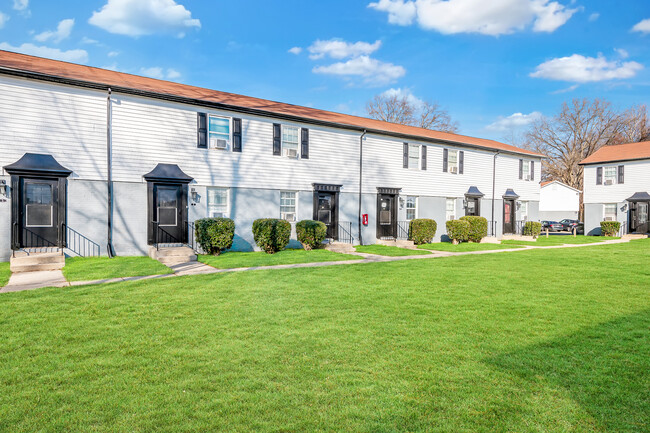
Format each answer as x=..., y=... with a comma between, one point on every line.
x=594, y=215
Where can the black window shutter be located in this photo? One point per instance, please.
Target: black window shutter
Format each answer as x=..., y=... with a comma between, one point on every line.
x=599, y=176
x=236, y=135
x=532, y=170
x=621, y=174
x=424, y=157
x=445, y=159
x=277, y=143
x=202, y=130
x=405, y=160
x=461, y=162
x=521, y=169
x=304, y=143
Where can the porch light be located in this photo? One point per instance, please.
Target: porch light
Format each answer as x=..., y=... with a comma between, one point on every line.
x=518, y=205
x=465, y=203
x=624, y=208
x=194, y=195
x=4, y=189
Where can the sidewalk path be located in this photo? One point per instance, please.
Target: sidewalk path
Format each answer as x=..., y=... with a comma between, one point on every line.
x=35, y=280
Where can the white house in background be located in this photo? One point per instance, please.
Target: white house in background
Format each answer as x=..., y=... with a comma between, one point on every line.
x=558, y=201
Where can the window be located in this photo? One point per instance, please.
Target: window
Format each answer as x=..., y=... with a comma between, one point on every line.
x=610, y=212
x=453, y=161
x=218, y=132
x=610, y=175
x=38, y=204
x=290, y=141
x=451, y=209
x=526, y=170
x=414, y=156
x=411, y=207
x=523, y=210
x=288, y=205
x=218, y=203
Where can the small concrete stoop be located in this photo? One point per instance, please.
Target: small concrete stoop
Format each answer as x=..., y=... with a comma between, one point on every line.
x=633, y=236
x=340, y=247
x=170, y=256
x=490, y=240
x=518, y=238
x=34, y=262
x=401, y=243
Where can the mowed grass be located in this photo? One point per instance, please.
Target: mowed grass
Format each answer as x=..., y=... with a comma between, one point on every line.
x=465, y=247
x=5, y=273
x=532, y=341
x=99, y=268
x=542, y=240
x=231, y=260
x=386, y=250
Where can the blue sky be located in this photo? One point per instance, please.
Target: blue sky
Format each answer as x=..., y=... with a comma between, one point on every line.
x=494, y=65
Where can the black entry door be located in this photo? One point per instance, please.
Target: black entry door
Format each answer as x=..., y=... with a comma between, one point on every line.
x=508, y=216
x=472, y=207
x=39, y=213
x=326, y=212
x=386, y=216
x=640, y=217
x=168, y=213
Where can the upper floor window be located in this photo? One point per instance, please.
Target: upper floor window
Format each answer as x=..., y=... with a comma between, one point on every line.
x=290, y=141
x=450, y=211
x=414, y=156
x=288, y=205
x=218, y=132
x=453, y=161
x=411, y=207
x=612, y=174
x=218, y=203
x=609, y=212
x=526, y=170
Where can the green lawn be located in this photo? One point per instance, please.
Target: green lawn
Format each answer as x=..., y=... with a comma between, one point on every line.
x=542, y=240
x=100, y=268
x=385, y=250
x=5, y=273
x=465, y=247
x=532, y=341
x=260, y=258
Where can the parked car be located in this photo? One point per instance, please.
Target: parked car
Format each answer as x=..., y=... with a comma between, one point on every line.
x=552, y=226
x=568, y=224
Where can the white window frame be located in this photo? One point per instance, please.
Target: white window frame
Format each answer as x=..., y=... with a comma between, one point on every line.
x=456, y=164
x=612, y=169
x=414, y=207
x=282, y=142
x=523, y=210
x=615, y=206
x=414, y=151
x=447, y=214
x=229, y=119
x=295, y=206
x=525, y=170
x=226, y=214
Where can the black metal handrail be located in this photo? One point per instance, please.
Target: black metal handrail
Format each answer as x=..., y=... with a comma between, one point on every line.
x=519, y=227
x=403, y=229
x=345, y=232
x=80, y=244
x=492, y=228
x=160, y=236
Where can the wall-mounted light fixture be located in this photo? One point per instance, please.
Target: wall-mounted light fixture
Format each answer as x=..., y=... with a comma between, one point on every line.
x=518, y=205
x=401, y=202
x=4, y=188
x=624, y=208
x=465, y=203
x=194, y=196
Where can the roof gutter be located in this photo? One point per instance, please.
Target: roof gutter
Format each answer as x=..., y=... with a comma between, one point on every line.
x=239, y=109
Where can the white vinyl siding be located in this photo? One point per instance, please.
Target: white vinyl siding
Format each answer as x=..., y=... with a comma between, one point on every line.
x=609, y=212
x=218, y=203
x=450, y=210
x=290, y=142
x=288, y=205
x=637, y=178
x=411, y=207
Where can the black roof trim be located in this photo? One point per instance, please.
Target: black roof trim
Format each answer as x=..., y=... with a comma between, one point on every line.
x=168, y=173
x=381, y=190
x=37, y=164
x=510, y=194
x=474, y=192
x=639, y=196
x=326, y=187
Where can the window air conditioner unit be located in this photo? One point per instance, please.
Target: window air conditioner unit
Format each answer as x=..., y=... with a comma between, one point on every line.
x=452, y=217
x=527, y=177
x=289, y=216
x=608, y=182
x=218, y=143
x=609, y=219
x=291, y=153
x=217, y=215
x=454, y=170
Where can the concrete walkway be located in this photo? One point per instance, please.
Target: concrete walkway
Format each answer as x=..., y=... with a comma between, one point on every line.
x=35, y=280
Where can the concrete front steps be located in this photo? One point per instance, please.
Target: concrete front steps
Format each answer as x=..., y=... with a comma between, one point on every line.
x=340, y=247
x=23, y=261
x=402, y=243
x=631, y=236
x=171, y=256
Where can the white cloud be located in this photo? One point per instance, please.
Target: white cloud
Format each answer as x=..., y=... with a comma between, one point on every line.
x=403, y=93
x=160, y=73
x=581, y=69
x=622, y=53
x=62, y=31
x=565, y=90
x=87, y=40
x=113, y=53
x=339, y=49
x=75, y=56
x=144, y=17
x=594, y=16
x=514, y=121
x=495, y=17
x=3, y=19
x=373, y=71
x=21, y=5
x=295, y=50
x=642, y=26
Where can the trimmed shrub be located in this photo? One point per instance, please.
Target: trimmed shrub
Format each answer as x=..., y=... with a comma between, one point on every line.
x=271, y=234
x=478, y=227
x=311, y=234
x=610, y=228
x=532, y=228
x=422, y=230
x=214, y=234
x=458, y=230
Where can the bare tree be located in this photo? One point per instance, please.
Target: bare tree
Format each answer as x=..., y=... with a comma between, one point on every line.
x=407, y=111
x=635, y=125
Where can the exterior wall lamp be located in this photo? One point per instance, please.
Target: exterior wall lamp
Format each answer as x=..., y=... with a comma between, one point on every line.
x=624, y=208
x=194, y=196
x=4, y=189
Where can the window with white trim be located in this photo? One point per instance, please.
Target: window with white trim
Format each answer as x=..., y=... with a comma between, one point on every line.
x=609, y=212
x=452, y=161
x=525, y=170
x=523, y=210
x=411, y=207
x=219, y=132
x=414, y=156
x=288, y=201
x=290, y=141
x=610, y=175
x=450, y=211
x=218, y=203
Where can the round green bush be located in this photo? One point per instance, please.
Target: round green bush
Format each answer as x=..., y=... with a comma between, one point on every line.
x=214, y=234
x=271, y=234
x=478, y=227
x=311, y=234
x=458, y=230
x=610, y=228
x=532, y=228
x=422, y=230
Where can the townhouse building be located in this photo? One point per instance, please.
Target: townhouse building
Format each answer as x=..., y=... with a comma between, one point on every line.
x=92, y=157
x=617, y=186
x=558, y=201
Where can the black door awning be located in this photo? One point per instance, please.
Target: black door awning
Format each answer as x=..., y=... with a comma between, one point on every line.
x=168, y=173
x=473, y=192
x=510, y=194
x=639, y=196
x=37, y=164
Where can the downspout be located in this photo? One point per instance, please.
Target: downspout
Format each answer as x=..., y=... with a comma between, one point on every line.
x=494, y=177
x=361, y=181
x=109, y=161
